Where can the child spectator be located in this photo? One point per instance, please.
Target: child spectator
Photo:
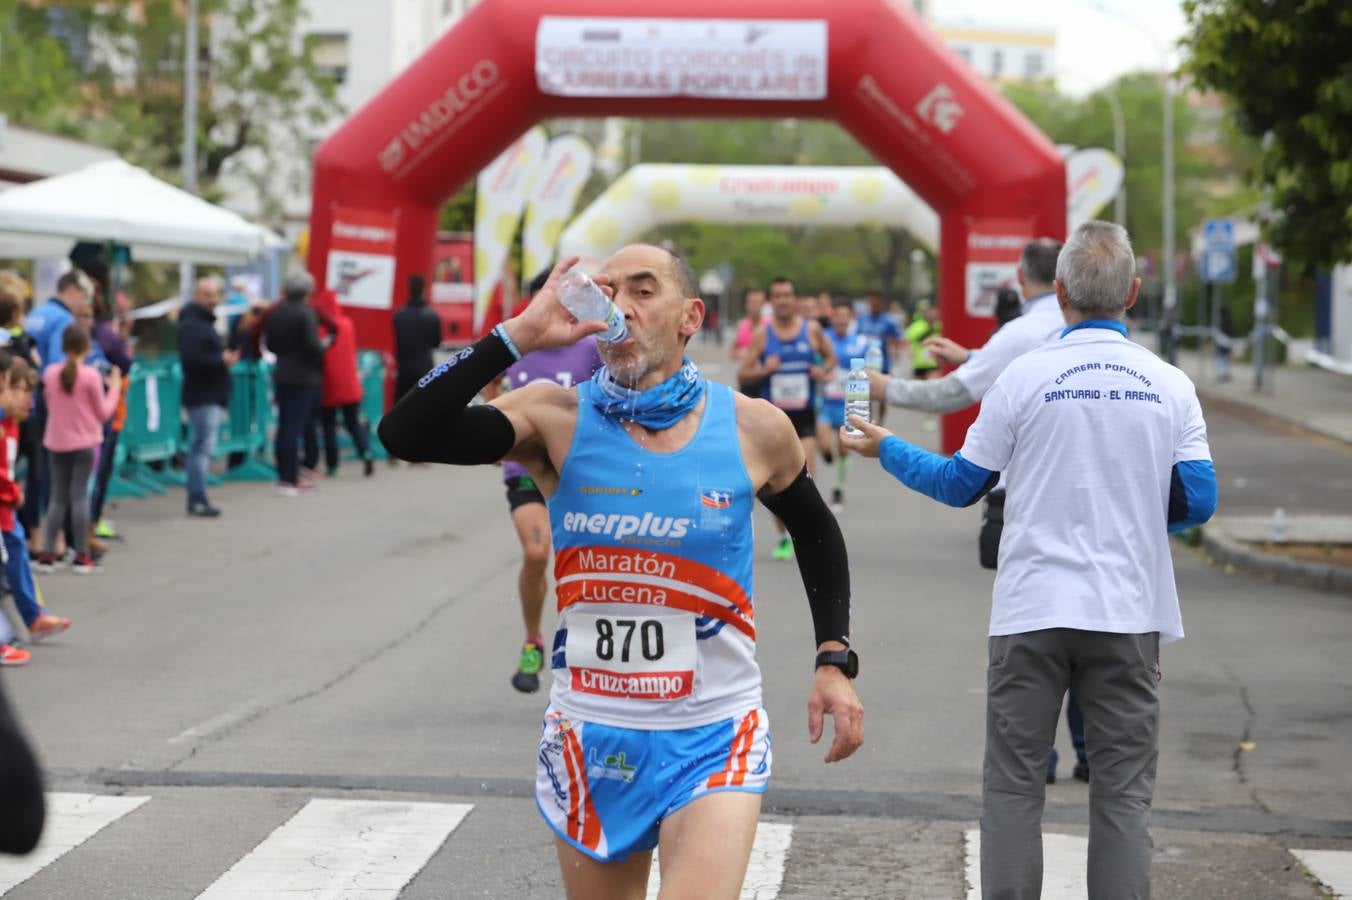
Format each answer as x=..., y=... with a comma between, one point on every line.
x=16, y=399
x=77, y=407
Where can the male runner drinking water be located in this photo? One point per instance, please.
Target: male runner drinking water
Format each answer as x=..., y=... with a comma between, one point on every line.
x=655, y=734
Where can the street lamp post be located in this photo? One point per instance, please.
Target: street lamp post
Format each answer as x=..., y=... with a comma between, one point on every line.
x=185, y=272
x=1169, y=328
x=1120, y=148
x=1114, y=106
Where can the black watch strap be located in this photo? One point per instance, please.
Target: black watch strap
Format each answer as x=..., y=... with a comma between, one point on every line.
x=846, y=661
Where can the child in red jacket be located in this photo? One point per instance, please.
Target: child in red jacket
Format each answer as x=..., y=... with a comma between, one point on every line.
x=16, y=400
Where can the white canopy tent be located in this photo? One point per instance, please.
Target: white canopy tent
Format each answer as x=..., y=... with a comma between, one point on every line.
x=117, y=202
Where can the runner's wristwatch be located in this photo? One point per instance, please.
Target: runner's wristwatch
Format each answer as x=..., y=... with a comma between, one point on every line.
x=846, y=661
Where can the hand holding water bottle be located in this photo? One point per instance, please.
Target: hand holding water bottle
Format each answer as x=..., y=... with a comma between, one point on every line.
x=547, y=323
x=863, y=437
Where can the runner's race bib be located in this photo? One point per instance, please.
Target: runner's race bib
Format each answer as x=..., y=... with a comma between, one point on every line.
x=633, y=657
x=790, y=390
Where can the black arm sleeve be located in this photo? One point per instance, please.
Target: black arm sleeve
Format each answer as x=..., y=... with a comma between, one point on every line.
x=20, y=785
x=434, y=421
x=820, y=549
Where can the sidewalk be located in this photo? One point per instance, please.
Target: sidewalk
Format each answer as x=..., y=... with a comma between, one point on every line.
x=1314, y=399
x=1315, y=549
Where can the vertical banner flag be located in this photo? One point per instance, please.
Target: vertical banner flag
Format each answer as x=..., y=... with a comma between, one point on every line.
x=993, y=250
x=567, y=166
x=1093, y=178
x=500, y=197
x=361, y=257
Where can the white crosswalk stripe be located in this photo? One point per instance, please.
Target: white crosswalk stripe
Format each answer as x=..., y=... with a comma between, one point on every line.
x=1333, y=868
x=1064, y=858
x=342, y=850
x=765, y=872
x=72, y=819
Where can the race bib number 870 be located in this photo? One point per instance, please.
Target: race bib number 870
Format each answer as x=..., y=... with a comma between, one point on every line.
x=633, y=657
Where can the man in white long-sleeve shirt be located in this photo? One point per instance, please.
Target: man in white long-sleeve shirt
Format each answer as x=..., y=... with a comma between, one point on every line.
x=1041, y=321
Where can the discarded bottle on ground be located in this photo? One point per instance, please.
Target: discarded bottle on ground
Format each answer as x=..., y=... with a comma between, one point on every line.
x=588, y=303
x=873, y=358
x=856, y=395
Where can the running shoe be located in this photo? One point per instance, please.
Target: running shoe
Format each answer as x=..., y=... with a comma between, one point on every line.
x=311, y=474
x=46, y=625
x=13, y=656
x=303, y=489
x=368, y=467
x=527, y=677
x=1081, y=772
x=107, y=530
x=784, y=550
x=85, y=564
x=46, y=563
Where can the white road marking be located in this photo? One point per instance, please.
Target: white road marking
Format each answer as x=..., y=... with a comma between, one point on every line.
x=1333, y=868
x=218, y=722
x=1064, y=860
x=72, y=819
x=342, y=850
x=765, y=871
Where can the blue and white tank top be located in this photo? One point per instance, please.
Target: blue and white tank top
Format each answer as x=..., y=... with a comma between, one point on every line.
x=653, y=566
x=791, y=387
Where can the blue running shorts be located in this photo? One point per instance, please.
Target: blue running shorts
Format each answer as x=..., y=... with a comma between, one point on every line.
x=606, y=790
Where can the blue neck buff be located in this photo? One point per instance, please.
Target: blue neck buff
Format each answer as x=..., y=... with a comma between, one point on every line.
x=657, y=408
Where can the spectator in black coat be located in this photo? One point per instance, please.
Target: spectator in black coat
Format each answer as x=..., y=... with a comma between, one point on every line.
x=292, y=334
x=417, y=332
x=206, y=387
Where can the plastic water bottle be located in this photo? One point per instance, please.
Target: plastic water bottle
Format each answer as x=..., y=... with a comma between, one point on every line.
x=1279, y=525
x=588, y=303
x=856, y=395
x=873, y=357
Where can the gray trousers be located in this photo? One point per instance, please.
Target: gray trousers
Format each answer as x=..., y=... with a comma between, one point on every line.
x=1114, y=677
x=70, y=492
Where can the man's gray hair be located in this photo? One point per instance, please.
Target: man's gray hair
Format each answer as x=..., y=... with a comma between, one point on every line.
x=298, y=286
x=1095, y=268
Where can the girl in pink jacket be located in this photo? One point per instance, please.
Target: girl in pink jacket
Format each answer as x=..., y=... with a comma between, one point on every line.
x=77, y=407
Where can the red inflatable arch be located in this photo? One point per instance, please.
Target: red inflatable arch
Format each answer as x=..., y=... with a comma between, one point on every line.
x=870, y=65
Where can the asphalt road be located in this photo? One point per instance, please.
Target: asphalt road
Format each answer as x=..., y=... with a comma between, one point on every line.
x=357, y=645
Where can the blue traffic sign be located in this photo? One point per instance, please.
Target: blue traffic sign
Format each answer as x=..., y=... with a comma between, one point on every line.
x=1218, y=265
x=1219, y=234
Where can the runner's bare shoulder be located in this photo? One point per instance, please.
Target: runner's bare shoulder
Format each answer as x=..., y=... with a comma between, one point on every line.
x=767, y=436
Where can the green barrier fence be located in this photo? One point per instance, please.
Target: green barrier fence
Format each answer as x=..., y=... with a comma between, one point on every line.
x=155, y=432
x=371, y=371
x=246, y=432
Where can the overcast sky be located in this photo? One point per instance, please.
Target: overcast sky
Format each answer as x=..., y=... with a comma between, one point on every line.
x=1092, y=47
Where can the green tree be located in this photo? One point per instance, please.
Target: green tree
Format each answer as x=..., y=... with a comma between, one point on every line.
x=1287, y=69
x=112, y=73
x=40, y=87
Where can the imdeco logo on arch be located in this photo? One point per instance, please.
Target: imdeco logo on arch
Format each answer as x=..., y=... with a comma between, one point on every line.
x=441, y=112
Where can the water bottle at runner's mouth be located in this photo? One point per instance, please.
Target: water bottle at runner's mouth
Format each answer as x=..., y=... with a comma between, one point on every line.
x=856, y=395
x=588, y=303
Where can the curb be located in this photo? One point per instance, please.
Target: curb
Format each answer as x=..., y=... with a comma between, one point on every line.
x=1223, y=549
x=1235, y=405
